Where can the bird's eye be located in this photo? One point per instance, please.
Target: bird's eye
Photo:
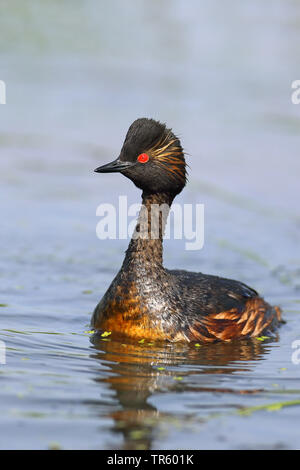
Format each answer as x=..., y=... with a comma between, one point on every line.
x=143, y=158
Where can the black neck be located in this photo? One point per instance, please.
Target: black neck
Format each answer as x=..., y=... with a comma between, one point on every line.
x=145, y=247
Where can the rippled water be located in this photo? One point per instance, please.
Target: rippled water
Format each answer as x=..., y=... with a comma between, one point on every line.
x=76, y=79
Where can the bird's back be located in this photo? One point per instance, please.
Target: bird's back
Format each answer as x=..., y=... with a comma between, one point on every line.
x=221, y=309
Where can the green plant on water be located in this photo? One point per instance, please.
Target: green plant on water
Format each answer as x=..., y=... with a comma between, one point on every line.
x=138, y=434
x=106, y=333
x=262, y=338
x=271, y=407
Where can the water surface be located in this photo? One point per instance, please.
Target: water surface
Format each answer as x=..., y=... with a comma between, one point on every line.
x=76, y=78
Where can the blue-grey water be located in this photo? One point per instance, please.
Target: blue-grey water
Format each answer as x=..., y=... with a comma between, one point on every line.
x=77, y=74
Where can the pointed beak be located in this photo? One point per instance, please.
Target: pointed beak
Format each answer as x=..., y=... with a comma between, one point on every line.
x=113, y=167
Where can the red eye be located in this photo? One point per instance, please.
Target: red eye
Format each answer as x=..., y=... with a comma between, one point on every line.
x=143, y=158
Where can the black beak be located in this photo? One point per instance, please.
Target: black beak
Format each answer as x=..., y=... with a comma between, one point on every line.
x=113, y=167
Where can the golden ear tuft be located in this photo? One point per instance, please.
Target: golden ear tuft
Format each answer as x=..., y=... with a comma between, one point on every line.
x=168, y=154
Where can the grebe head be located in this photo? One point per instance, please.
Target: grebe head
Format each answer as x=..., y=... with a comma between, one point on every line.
x=152, y=157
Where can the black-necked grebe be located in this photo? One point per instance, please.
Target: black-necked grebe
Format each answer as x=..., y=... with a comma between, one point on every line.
x=146, y=300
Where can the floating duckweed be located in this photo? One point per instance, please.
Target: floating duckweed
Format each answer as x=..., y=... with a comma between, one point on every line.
x=262, y=338
x=141, y=341
x=272, y=407
x=137, y=434
x=197, y=345
x=89, y=332
x=3, y=305
x=178, y=378
x=87, y=291
x=161, y=368
x=106, y=333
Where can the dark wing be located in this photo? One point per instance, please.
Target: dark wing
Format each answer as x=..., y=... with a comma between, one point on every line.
x=212, y=294
x=223, y=309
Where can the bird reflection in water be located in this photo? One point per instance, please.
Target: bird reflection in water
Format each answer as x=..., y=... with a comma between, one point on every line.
x=140, y=370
